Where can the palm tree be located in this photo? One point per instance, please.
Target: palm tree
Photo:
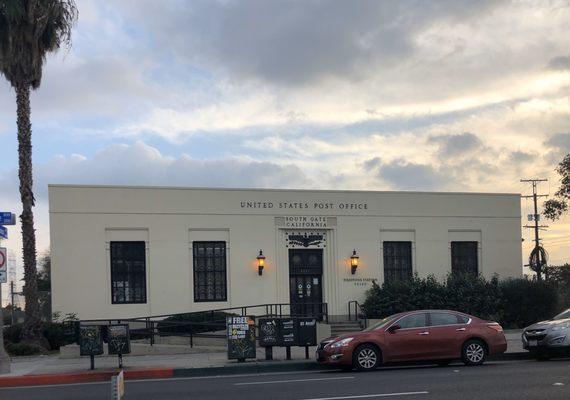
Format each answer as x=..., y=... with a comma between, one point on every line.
x=29, y=29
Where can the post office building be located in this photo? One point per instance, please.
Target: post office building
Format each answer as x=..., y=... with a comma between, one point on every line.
x=120, y=252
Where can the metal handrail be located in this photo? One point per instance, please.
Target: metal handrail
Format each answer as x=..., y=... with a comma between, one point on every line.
x=157, y=325
x=359, y=313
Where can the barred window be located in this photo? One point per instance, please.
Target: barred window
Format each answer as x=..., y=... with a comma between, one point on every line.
x=397, y=261
x=464, y=258
x=128, y=272
x=209, y=271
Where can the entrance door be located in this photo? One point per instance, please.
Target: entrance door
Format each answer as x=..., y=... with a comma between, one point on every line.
x=305, y=280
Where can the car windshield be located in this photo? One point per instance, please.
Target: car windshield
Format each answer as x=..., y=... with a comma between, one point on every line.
x=562, y=315
x=381, y=323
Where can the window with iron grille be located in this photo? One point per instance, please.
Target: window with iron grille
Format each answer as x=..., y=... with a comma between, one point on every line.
x=397, y=261
x=464, y=258
x=128, y=272
x=209, y=271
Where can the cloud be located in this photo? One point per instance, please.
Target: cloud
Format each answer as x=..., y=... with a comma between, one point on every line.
x=141, y=164
x=453, y=145
x=560, y=63
x=291, y=42
x=372, y=163
x=411, y=176
x=559, y=141
x=521, y=156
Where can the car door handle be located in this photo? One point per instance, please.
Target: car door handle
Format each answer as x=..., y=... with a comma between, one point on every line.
x=423, y=333
x=460, y=329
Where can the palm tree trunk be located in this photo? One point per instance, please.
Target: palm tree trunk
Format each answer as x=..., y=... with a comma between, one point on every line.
x=32, y=331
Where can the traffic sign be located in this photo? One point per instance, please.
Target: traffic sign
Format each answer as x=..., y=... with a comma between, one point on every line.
x=3, y=276
x=3, y=259
x=7, y=218
x=3, y=232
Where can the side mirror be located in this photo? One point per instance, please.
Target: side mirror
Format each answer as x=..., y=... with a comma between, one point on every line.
x=394, y=328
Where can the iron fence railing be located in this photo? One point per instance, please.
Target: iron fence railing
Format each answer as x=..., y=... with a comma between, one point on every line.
x=356, y=311
x=201, y=323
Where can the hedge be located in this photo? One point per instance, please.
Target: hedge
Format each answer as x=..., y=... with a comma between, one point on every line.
x=515, y=303
x=193, y=323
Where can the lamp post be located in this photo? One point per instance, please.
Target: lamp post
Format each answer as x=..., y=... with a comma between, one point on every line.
x=260, y=263
x=353, y=262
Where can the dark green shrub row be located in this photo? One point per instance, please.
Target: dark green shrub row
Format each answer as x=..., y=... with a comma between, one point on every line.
x=22, y=349
x=514, y=303
x=194, y=323
x=57, y=334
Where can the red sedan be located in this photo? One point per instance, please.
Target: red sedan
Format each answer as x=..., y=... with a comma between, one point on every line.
x=439, y=335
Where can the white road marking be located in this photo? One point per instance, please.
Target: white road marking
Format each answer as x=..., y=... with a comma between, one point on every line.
x=292, y=380
x=558, y=384
x=367, y=396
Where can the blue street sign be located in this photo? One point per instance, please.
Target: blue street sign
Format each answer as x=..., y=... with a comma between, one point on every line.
x=3, y=232
x=7, y=218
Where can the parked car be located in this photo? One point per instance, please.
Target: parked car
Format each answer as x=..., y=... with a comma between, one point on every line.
x=547, y=338
x=439, y=335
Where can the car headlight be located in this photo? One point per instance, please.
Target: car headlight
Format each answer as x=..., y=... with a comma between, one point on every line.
x=341, y=343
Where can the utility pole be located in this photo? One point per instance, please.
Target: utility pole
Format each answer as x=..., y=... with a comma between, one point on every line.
x=537, y=259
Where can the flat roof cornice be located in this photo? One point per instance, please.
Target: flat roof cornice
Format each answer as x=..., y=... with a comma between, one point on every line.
x=86, y=186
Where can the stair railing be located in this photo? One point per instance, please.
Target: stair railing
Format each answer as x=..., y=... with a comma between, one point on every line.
x=356, y=311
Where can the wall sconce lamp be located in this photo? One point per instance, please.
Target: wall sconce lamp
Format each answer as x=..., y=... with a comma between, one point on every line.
x=353, y=262
x=260, y=262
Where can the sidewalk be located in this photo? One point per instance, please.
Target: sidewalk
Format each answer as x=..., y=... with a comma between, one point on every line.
x=208, y=361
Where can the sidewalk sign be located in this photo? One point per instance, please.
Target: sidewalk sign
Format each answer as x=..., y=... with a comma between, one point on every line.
x=119, y=341
x=90, y=342
x=241, y=338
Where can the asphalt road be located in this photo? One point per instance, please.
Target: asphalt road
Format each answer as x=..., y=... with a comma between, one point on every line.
x=494, y=380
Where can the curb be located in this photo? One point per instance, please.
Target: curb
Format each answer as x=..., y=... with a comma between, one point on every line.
x=82, y=377
x=165, y=373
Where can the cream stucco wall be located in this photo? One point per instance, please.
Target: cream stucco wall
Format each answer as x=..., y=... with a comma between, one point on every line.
x=84, y=219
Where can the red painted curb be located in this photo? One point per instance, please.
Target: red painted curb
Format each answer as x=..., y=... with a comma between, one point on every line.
x=82, y=377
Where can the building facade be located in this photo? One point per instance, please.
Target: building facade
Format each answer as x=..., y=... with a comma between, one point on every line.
x=121, y=252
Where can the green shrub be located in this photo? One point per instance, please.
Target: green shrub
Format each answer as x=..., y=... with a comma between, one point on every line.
x=514, y=303
x=56, y=333
x=526, y=301
x=22, y=349
x=13, y=333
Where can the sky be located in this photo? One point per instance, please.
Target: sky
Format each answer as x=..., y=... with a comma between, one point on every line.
x=377, y=95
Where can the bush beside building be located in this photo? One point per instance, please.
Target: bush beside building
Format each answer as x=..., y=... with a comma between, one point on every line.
x=515, y=303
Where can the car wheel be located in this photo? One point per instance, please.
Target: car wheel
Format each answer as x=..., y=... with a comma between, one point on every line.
x=473, y=352
x=443, y=363
x=366, y=358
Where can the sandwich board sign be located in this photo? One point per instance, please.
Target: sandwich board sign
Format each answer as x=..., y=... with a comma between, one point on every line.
x=241, y=337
